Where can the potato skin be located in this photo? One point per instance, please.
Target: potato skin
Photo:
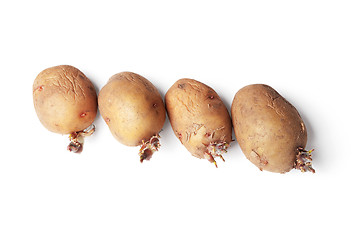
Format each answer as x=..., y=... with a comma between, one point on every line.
x=267, y=127
x=132, y=108
x=197, y=115
x=65, y=100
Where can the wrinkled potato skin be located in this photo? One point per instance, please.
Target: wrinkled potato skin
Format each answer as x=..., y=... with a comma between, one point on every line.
x=197, y=115
x=267, y=127
x=65, y=99
x=132, y=107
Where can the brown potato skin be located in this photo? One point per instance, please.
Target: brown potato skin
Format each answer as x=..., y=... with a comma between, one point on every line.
x=132, y=108
x=197, y=115
x=65, y=100
x=267, y=127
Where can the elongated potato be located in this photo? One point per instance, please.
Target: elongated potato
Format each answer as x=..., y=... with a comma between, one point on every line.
x=134, y=111
x=199, y=118
x=65, y=101
x=269, y=130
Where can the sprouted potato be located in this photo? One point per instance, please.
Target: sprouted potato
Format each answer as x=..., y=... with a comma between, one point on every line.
x=269, y=130
x=65, y=101
x=134, y=111
x=199, y=119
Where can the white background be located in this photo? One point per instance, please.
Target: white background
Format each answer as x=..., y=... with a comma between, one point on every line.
x=309, y=51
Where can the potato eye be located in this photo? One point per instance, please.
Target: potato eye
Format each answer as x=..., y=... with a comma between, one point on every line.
x=181, y=86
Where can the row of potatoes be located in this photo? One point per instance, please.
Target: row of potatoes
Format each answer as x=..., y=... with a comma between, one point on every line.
x=267, y=127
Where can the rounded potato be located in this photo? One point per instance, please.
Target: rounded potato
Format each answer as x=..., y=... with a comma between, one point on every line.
x=269, y=130
x=65, y=101
x=199, y=118
x=133, y=110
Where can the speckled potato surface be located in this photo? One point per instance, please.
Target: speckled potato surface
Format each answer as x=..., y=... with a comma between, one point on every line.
x=267, y=127
x=132, y=108
x=198, y=117
x=64, y=99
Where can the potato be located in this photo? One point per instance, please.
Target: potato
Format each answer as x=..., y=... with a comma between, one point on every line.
x=199, y=119
x=134, y=111
x=65, y=101
x=269, y=130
